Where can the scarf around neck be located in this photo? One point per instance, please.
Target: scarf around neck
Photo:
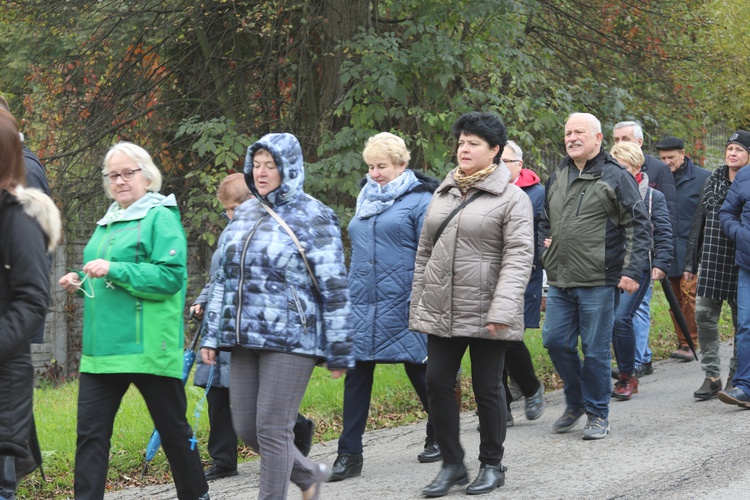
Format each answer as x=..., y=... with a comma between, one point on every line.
x=375, y=199
x=466, y=181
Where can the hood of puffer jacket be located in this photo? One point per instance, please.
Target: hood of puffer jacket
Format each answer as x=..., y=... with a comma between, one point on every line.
x=287, y=154
x=527, y=178
x=41, y=208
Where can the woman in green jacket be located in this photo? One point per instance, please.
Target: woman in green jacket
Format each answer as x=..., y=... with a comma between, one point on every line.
x=134, y=281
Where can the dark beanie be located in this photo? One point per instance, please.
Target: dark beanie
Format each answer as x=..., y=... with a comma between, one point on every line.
x=742, y=138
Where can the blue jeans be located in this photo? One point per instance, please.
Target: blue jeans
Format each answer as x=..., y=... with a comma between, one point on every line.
x=642, y=328
x=624, y=340
x=588, y=313
x=742, y=337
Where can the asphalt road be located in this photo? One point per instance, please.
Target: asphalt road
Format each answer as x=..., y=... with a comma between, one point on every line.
x=664, y=445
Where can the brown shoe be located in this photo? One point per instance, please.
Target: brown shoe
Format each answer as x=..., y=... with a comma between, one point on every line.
x=626, y=386
x=683, y=353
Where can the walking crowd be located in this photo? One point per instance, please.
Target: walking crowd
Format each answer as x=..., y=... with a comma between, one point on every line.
x=438, y=268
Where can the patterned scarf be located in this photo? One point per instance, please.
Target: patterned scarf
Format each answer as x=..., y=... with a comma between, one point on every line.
x=465, y=182
x=375, y=199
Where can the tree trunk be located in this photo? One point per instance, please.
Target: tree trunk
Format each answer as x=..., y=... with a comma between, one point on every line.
x=333, y=22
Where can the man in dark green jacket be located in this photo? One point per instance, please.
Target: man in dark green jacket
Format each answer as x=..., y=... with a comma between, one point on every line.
x=595, y=237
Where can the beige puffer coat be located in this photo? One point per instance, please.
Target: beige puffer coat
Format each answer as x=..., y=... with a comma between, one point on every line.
x=478, y=270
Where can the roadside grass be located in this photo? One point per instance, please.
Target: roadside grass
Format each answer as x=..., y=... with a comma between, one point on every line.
x=394, y=403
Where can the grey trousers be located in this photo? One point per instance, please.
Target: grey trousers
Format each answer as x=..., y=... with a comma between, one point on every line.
x=707, y=313
x=266, y=389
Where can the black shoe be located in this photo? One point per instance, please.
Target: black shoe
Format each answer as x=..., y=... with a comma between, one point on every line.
x=431, y=452
x=615, y=373
x=347, y=465
x=304, y=429
x=490, y=477
x=735, y=397
x=204, y=496
x=644, y=369
x=535, y=404
x=449, y=476
x=708, y=390
x=216, y=472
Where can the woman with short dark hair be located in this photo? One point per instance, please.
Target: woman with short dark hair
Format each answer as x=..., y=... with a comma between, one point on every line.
x=473, y=263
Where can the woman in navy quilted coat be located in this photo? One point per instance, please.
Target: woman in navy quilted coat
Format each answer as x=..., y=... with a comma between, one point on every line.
x=278, y=317
x=384, y=234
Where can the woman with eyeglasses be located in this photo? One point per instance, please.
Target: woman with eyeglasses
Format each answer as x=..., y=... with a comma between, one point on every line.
x=134, y=280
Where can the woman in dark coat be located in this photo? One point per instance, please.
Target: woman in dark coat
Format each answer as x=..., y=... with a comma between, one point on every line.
x=384, y=234
x=30, y=228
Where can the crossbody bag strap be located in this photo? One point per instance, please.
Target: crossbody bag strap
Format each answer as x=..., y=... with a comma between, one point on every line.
x=453, y=214
x=293, y=236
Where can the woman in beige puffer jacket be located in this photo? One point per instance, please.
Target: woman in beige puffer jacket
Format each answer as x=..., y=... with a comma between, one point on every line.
x=468, y=292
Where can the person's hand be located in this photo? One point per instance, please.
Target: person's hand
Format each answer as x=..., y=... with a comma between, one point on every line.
x=70, y=282
x=547, y=242
x=688, y=276
x=98, y=268
x=657, y=274
x=628, y=284
x=197, y=311
x=337, y=373
x=496, y=328
x=208, y=356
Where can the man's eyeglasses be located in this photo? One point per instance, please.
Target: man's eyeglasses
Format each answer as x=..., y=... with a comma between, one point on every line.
x=509, y=161
x=127, y=175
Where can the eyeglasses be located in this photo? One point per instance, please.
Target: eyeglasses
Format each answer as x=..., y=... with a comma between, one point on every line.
x=509, y=161
x=127, y=175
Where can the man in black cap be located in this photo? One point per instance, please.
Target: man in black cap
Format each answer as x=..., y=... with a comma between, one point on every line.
x=710, y=255
x=659, y=177
x=689, y=180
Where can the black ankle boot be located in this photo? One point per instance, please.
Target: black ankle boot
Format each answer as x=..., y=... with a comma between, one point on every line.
x=346, y=465
x=431, y=452
x=449, y=475
x=489, y=478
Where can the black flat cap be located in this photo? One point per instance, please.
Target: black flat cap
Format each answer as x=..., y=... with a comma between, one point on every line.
x=669, y=143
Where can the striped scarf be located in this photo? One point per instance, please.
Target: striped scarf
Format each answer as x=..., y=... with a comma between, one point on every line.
x=466, y=181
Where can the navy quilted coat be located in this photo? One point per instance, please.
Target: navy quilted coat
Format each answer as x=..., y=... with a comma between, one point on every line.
x=264, y=297
x=384, y=248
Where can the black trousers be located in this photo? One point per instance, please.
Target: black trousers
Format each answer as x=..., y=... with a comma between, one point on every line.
x=99, y=398
x=518, y=364
x=487, y=360
x=357, y=396
x=222, y=440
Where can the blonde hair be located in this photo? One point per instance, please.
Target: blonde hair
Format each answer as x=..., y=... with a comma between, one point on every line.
x=629, y=152
x=141, y=157
x=387, y=145
x=233, y=189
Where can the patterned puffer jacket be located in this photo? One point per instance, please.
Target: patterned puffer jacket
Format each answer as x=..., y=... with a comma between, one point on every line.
x=264, y=296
